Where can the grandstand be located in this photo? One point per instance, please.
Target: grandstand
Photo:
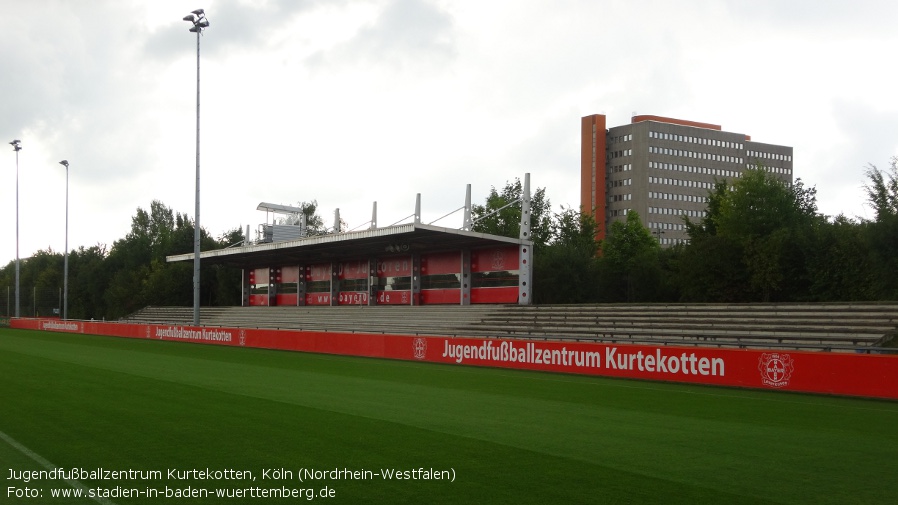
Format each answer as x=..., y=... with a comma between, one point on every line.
x=851, y=327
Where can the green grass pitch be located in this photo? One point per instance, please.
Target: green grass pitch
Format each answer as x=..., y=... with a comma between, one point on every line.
x=88, y=402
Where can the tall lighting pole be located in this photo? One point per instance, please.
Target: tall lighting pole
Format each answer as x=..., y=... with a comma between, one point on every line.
x=65, y=282
x=16, y=145
x=199, y=21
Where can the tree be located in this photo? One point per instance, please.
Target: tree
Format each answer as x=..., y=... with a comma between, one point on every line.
x=314, y=222
x=882, y=193
x=228, y=281
x=759, y=203
x=882, y=190
x=627, y=251
x=708, y=225
x=499, y=216
x=111, y=284
x=842, y=267
x=88, y=279
x=758, y=234
x=566, y=270
x=140, y=273
x=711, y=269
x=41, y=283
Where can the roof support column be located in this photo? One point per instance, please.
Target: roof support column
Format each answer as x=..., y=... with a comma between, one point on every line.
x=274, y=278
x=372, y=281
x=245, y=287
x=301, y=286
x=526, y=270
x=525, y=255
x=416, y=279
x=335, y=284
x=465, y=277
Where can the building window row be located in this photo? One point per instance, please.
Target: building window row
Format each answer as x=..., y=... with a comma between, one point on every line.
x=621, y=138
x=622, y=198
x=775, y=170
x=667, y=211
x=619, y=212
x=667, y=226
x=678, y=197
x=621, y=168
x=769, y=156
x=695, y=154
x=695, y=140
x=681, y=182
x=623, y=152
x=673, y=241
x=692, y=169
x=620, y=183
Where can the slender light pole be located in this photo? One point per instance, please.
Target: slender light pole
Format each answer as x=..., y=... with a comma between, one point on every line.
x=198, y=18
x=16, y=145
x=65, y=282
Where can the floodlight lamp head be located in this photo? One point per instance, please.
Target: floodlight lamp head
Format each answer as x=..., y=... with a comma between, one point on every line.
x=199, y=12
x=190, y=18
x=64, y=163
x=203, y=23
x=15, y=145
x=195, y=29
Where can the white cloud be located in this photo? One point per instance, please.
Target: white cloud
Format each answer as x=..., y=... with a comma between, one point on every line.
x=360, y=100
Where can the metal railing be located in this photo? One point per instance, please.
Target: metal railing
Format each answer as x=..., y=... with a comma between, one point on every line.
x=33, y=302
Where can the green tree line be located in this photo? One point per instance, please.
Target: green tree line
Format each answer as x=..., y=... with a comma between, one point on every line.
x=761, y=240
x=111, y=283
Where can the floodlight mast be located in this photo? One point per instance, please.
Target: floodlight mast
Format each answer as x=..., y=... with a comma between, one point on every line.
x=17, y=146
x=199, y=21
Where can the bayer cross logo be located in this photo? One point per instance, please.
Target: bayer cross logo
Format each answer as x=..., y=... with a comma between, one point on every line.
x=497, y=260
x=420, y=346
x=776, y=369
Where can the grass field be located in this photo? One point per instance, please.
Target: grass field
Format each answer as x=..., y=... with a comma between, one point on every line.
x=87, y=402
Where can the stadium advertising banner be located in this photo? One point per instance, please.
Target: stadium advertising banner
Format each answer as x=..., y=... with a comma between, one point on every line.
x=867, y=375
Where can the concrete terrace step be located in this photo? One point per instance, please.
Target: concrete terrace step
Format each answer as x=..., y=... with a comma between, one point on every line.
x=625, y=316
x=650, y=313
x=761, y=328
x=688, y=307
x=853, y=338
x=843, y=325
x=693, y=322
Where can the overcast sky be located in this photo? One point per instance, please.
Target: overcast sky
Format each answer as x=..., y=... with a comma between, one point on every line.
x=349, y=102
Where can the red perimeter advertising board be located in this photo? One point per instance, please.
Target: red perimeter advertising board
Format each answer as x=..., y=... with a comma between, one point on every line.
x=866, y=375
